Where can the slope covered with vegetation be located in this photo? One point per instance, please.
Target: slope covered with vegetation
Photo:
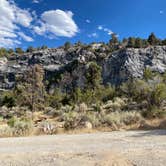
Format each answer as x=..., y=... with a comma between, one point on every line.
x=32, y=106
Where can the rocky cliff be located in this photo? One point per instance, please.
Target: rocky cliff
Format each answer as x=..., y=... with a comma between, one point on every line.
x=117, y=67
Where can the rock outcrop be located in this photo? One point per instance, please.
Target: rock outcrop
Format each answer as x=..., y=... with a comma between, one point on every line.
x=131, y=62
x=117, y=67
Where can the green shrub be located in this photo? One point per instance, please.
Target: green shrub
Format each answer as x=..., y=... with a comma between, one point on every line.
x=9, y=99
x=11, y=122
x=93, y=118
x=112, y=119
x=129, y=118
x=22, y=128
x=147, y=74
x=154, y=112
x=122, y=118
x=71, y=120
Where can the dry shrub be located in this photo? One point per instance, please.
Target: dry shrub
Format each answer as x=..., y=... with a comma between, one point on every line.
x=22, y=128
x=116, y=105
x=6, y=131
x=83, y=107
x=47, y=127
x=93, y=118
x=122, y=118
x=71, y=120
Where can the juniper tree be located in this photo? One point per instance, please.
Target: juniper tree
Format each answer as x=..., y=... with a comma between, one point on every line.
x=30, y=90
x=152, y=39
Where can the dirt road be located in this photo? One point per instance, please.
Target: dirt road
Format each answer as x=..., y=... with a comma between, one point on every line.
x=140, y=148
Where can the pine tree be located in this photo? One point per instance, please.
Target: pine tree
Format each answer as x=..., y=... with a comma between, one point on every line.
x=138, y=43
x=114, y=42
x=67, y=45
x=3, y=52
x=131, y=42
x=152, y=39
x=93, y=76
x=30, y=49
x=19, y=50
x=30, y=90
x=164, y=42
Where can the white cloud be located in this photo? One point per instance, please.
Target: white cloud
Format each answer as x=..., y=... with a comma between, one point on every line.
x=8, y=42
x=23, y=17
x=11, y=18
x=95, y=35
x=57, y=23
x=25, y=37
x=7, y=34
x=100, y=27
x=52, y=24
x=35, y=1
x=108, y=31
x=88, y=21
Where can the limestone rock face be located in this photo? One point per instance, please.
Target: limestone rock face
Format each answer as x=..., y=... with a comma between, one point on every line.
x=3, y=63
x=128, y=63
x=117, y=67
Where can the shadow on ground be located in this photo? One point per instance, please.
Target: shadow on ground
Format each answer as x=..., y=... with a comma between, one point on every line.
x=151, y=133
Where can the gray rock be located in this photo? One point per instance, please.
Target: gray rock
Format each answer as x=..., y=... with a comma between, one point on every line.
x=117, y=67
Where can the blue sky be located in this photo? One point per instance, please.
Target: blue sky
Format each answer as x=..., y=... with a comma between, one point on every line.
x=53, y=22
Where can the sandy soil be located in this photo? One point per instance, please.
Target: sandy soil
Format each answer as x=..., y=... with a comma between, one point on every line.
x=124, y=148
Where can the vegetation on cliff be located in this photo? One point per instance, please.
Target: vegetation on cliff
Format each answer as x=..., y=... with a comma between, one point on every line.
x=94, y=104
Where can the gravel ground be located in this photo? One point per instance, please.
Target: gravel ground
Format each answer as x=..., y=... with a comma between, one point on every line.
x=123, y=148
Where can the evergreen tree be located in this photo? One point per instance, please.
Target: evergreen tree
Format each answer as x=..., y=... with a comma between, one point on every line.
x=67, y=45
x=10, y=51
x=152, y=39
x=44, y=47
x=93, y=76
x=164, y=42
x=124, y=42
x=30, y=49
x=138, y=43
x=3, y=52
x=114, y=39
x=19, y=50
x=30, y=90
x=131, y=42
x=114, y=42
x=145, y=43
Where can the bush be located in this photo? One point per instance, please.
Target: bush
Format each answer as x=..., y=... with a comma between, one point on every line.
x=129, y=118
x=93, y=118
x=47, y=127
x=20, y=127
x=154, y=112
x=83, y=107
x=6, y=131
x=55, y=100
x=122, y=118
x=11, y=122
x=71, y=120
x=112, y=119
x=8, y=100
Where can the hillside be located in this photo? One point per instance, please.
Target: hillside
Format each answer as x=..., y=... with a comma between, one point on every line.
x=97, y=86
x=117, y=67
